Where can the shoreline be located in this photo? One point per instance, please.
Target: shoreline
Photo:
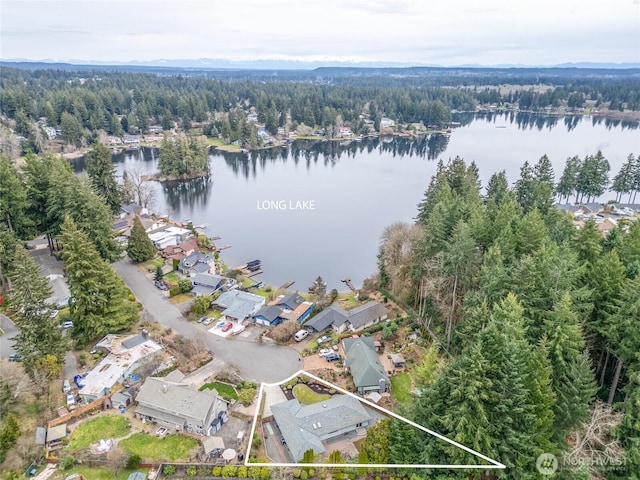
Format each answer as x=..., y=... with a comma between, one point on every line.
x=630, y=116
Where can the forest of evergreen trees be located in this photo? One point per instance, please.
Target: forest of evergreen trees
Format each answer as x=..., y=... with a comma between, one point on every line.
x=80, y=103
x=538, y=325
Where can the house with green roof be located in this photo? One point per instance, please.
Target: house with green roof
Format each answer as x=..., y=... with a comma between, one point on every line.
x=364, y=365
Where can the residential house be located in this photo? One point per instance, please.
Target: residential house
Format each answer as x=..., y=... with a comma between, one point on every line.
x=51, y=132
x=181, y=406
x=364, y=365
x=176, y=253
x=362, y=317
x=131, y=139
x=386, y=123
x=207, y=284
x=285, y=307
x=126, y=355
x=268, y=316
x=294, y=307
x=332, y=315
x=309, y=427
x=169, y=235
x=237, y=305
x=197, y=262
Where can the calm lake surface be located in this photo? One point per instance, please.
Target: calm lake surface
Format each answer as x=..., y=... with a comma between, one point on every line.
x=357, y=190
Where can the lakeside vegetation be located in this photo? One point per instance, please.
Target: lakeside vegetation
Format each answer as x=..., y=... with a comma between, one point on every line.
x=535, y=321
x=85, y=106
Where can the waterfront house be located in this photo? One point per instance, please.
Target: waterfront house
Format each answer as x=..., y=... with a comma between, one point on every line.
x=207, y=284
x=196, y=262
x=361, y=317
x=364, y=365
x=293, y=306
x=328, y=317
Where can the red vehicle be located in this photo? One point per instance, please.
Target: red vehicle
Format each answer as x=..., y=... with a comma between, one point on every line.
x=227, y=327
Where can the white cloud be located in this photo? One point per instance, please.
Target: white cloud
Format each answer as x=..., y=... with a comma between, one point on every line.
x=451, y=32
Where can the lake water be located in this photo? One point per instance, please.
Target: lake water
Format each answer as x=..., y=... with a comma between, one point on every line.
x=349, y=194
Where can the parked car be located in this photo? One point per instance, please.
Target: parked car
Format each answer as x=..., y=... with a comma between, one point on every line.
x=161, y=285
x=221, y=324
x=300, y=335
x=202, y=319
x=325, y=351
x=14, y=357
x=227, y=327
x=324, y=339
x=67, y=324
x=208, y=321
x=66, y=386
x=238, y=330
x=71, y=401
x=332, y=357
x=55, y=313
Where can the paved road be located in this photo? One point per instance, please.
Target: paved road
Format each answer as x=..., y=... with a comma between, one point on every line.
x=257, y=362
x=6, y=340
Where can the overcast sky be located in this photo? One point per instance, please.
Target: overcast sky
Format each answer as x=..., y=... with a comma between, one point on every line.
x=445, y=32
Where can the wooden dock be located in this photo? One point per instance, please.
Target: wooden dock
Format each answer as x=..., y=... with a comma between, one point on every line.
x=248, y=273
x=217, y=237
x=347, y=281
x=286, y=285
x=223, y=247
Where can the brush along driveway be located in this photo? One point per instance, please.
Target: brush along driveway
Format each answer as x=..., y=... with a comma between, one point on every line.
x=255, y=361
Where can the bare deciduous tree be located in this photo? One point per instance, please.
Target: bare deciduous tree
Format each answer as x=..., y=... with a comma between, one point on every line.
x=137, y=189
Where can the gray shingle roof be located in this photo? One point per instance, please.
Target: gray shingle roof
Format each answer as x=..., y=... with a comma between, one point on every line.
x=366, y=313
x=207, y=279
x=305, y=426
x=363, y=362
x=291, y=300
x=270, y=312
x=176, y=399
x=238, y=304
x=332, y=315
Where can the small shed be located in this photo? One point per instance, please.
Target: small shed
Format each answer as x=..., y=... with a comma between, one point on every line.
x=56, y=433
x=41, y=435
x=398, y=360
x=377, y=345
x=119, y=399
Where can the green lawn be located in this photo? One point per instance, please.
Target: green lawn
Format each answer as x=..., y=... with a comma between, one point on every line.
x=226, y=391
x=152, y=265
x=102, y=473
x=306, y=396
x=401, y=387
x=153, y=449
x=107, y=426
x=172, y=277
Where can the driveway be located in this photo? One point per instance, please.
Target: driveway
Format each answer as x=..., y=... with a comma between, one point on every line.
x=6, y=340
x=257, y=362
